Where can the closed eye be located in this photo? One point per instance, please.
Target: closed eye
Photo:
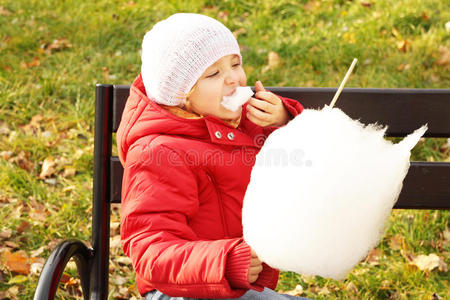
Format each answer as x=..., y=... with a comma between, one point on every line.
x=212, y=75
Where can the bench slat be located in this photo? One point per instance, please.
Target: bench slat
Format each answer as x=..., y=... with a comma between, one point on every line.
x=404, y=110
x=424, y=181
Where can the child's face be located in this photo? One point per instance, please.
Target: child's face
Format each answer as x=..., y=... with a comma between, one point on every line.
x=220, y=79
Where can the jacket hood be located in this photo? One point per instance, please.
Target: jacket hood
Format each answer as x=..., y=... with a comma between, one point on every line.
x=142, y=117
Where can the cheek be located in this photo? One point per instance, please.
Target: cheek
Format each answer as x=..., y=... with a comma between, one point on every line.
x=242, y=78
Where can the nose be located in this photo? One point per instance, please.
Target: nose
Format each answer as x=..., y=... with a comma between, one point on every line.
x=232, y=77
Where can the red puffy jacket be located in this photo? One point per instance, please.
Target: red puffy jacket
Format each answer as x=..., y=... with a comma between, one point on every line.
x=183, y=186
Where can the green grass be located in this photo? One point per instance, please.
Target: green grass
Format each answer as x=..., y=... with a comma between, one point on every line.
x=100, y=43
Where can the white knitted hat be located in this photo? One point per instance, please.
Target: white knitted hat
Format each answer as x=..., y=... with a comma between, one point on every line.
x=176, y=52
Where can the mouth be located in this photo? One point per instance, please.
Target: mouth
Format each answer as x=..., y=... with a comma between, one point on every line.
x=232, y=93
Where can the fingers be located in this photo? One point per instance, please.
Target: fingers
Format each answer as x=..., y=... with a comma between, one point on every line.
x=258, y=117
x=253, y=253
x=261, y=105
x=259, y=86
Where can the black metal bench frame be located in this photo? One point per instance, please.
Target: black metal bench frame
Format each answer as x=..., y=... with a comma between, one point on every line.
x=426, y=186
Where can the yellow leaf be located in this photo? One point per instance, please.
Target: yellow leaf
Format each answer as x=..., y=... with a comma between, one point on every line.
x=401, y=45
x=18, y=279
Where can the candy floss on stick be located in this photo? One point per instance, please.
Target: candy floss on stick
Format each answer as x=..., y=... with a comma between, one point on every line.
x=321, y=192
x=240, y=96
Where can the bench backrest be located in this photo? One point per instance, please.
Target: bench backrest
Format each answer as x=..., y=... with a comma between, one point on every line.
x=426, y=186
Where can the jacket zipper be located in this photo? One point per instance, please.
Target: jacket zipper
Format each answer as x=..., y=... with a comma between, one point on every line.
x=219, y=198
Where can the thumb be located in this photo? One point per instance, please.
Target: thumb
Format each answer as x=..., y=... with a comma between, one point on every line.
x=259, y=87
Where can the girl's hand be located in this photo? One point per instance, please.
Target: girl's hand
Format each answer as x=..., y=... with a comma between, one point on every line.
x=255, y=267
x=266, y=109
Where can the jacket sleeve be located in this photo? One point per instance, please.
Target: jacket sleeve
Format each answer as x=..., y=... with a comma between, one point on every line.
x=293, y=107
x=159, y=197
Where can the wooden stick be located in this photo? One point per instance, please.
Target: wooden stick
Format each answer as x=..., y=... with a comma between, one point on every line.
x=343, y=83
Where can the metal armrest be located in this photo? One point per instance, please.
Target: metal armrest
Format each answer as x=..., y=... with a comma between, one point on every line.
x=56, y=263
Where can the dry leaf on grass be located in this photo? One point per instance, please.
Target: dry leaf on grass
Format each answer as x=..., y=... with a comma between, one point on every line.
x=5, y=233
x=48, y=168
x=396, y=242
x=17, y=262
x=429, y=262
x=373, y=257
x=55, y=45
x=444, y=58
x=295, y=292
x=34, y=63
x=273, y=61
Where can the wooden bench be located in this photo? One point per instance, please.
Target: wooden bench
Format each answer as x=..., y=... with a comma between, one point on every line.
x=426, y=186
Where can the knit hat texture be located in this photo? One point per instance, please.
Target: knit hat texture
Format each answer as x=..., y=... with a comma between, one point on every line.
x=176, y=52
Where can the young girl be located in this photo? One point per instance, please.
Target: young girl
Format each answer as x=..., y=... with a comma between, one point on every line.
x=187, y=161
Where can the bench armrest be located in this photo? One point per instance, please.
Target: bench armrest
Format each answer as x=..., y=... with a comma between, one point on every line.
x=56, y=263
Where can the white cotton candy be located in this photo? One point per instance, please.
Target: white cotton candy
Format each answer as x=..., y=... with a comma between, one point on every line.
x=240, y=96
x=321, y=192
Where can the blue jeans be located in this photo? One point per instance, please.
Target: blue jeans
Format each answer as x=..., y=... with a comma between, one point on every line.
x=267, y=294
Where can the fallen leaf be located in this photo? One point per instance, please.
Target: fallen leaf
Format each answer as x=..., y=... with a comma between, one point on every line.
x=408, y=256
x=34, y=63
x=5, y=233
x=123, y=260
x=22, y=161
x=17, y=262
x=446, y=234
x=65, y=278
x=430, y=262
x=23, y=226
x=39, y=215
x=396, y=242
x=273, y=61
x=311, y=5
x=119, y=280
x=105, y=71
x=295, y=292
x=351, y=287
x=34, y=125
x=56, y=45
x=48, y=168
x=6, y=155
x=223, y=15
x=324, y=291
x=444, y=58
x=18, y=279
x=373, y=257
x=11, y=244
x=401, y=45
x=238, y=32
x=4, y=11
x=385, y=285
x=38, y=251
x=349, y=37
x=36, y=268
x=403, y=67
x=366, y=4
x=69, y=172
x=4, y=129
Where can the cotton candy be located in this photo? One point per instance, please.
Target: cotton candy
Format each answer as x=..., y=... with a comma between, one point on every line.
x=321, y=192
x=239, y=97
